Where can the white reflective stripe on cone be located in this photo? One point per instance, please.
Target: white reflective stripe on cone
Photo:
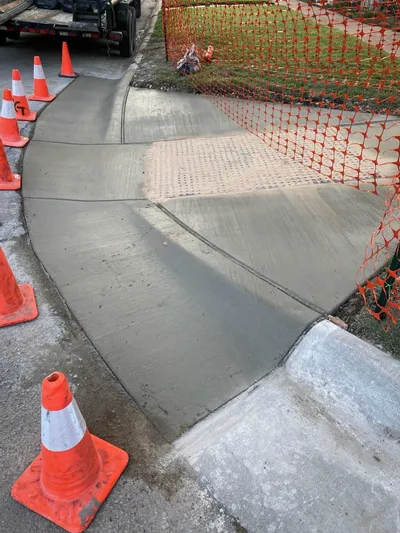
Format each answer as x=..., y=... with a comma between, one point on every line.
x=64, y=429
x=38, y=72
x=7, y=109
x=17, y=88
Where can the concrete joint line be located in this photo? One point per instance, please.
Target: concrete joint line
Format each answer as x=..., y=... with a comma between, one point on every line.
x=240, y=263
x=137, y=59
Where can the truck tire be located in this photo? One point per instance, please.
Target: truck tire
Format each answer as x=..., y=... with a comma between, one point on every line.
x=138, y=8
x=3, y=37
x=127, y=45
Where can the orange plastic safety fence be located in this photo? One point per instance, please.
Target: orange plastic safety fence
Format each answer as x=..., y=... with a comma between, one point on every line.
x=318, y=82
x=379, y=276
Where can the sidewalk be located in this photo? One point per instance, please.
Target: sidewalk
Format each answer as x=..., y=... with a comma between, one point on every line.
x=194, y=299
x=388, y=40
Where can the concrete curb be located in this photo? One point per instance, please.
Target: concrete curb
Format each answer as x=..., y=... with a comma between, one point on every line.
x=312, y=447
x=359, y=383
x=147, y=36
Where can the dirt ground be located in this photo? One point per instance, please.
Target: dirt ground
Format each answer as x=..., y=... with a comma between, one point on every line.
x=155, y=72
x=382, y=334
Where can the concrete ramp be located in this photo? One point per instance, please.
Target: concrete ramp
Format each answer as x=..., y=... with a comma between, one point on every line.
x=80, y=172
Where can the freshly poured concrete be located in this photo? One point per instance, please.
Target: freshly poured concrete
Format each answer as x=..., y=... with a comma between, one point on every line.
x=150, y=497
x=312, y=448
x=55, y=170
x=88, y=112
x=158, y=116
x=182, y=335
x=310, y=239
x=184, y=329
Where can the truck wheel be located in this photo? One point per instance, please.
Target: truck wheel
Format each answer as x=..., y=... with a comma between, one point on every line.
x=138, y=8
x=127, y=45
x=3, y=37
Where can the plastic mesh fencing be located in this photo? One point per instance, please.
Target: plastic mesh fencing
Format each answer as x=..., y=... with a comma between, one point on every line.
x=379, y=276
x=318, y=82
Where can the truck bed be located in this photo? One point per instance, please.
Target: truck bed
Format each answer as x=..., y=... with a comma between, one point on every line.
x=9, y=9
x=92, y=20
x=36, y=19
x=44, y=16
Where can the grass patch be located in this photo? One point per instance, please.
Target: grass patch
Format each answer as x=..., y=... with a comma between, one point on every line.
x=268, y=52
x=158, y=33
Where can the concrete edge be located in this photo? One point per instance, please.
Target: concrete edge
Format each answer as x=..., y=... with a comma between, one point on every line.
x=359, y=382
x=351, y=382
x=16, y=155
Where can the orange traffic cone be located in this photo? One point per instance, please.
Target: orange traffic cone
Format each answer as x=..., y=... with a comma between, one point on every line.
x=9, y=131
x=40, y=89
x=17, y=302
x=67, y=70
x=208, y=55
x=8, y=180
x=75, y=471
x=21, y=104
